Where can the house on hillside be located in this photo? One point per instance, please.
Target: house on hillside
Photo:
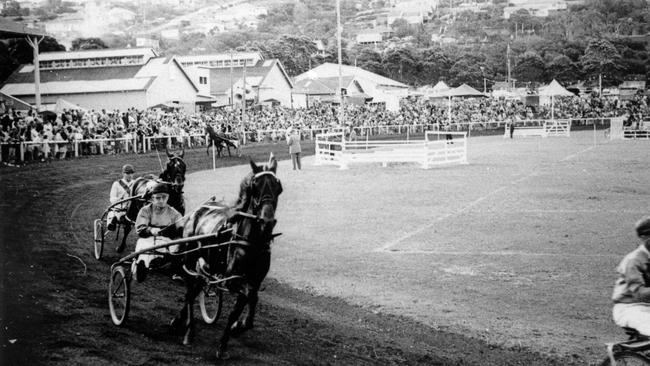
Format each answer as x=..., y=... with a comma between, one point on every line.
x=382, y=89
x=265, y=82
x=369, y=38
x=106, y=79
x=309, y=92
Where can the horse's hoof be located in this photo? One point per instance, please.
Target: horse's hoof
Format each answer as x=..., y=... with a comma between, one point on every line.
x=223, y=355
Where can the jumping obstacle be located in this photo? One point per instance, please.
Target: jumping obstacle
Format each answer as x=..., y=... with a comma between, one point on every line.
x=555, y=128
x=435, y=149
x=617, y=130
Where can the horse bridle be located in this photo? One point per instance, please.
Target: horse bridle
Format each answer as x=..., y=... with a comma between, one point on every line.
x=265, y=196
x=172, y=180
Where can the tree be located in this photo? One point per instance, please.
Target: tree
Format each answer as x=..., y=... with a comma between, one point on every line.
x=602, y=59
x=401, y=28
x=562, y=69
x=369, y=59
x=530, y=67
x=434, y=65
x=400, y=64
x=93, y=43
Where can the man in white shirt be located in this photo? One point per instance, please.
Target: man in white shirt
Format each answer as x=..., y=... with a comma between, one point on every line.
x=119, y=191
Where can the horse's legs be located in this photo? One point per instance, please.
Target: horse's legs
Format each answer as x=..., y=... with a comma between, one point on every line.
x=247, y=323
x=207, y=151
x=232, y=319
x=185, y=318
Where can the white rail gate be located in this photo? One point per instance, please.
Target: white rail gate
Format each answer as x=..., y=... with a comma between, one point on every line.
x=554, y=128
x=437, y=148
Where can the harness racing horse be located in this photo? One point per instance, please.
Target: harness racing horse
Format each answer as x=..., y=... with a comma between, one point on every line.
x=244, y=257
x=220, y=141
x=174, y=175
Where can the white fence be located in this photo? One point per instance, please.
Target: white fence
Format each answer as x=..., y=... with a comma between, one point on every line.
x=333, y=149
x=148, y=143
x=561, y=127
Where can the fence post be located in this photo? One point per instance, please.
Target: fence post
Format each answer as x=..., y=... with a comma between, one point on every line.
x=22, y=152
x=76, y=148
x=101, y=147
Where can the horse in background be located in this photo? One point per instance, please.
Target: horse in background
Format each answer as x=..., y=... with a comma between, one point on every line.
x=220, y=140
x=173, y=175
x=245, y=254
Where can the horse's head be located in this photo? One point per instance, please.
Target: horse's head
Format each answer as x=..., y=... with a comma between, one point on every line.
x=265, y=188
x=175, y=170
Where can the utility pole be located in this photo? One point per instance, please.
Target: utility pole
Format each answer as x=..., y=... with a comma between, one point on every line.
x=243, y=109
x=508, y=57
x=232, y=100
x=338, y=42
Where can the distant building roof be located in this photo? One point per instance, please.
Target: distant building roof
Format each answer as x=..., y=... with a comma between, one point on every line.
x=220, y=59
x=322, y=86
x=107, y=52
x=11, y=29
x=332, y=70
x=220, y=78
x=369, y=37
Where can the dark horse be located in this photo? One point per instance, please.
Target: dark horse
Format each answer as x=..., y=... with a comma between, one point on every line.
x=220, y=141
x=244, y=256
x=174, y=175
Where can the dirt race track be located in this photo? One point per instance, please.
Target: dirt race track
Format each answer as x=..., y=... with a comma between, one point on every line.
x=506, y=261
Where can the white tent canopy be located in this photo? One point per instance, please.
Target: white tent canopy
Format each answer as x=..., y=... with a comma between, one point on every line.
x=554, y=89
x=62, y=104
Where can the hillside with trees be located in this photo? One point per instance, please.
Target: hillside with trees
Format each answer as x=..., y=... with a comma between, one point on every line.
x=608, y=38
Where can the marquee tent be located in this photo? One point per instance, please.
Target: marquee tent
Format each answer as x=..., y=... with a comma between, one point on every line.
x=62, y=104
x=554, y=89
x=461, y=91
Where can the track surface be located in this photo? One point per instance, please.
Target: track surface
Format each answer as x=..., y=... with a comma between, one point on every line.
x=53, y=293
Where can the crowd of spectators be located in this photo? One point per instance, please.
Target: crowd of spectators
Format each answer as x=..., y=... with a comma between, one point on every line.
x=48, y=136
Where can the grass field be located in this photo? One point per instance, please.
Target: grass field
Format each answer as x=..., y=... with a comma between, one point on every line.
x=518, y=247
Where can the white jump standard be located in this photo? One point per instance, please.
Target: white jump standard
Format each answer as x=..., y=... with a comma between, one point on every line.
x=435, y=149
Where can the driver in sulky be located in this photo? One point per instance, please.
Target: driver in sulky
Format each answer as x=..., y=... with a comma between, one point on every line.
x=157, y=223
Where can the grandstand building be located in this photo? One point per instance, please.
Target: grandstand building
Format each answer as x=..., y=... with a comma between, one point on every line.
x=381, y=89
x=107, y=79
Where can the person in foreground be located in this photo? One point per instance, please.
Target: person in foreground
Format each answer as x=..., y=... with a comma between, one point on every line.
x=632, y=290
x=157, y=223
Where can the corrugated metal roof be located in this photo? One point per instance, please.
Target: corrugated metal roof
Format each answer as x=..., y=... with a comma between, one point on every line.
x=109, y=52
x=322, y=85
x=330, y=70
x=26, y=74
x=220, y=77
x=76, y=87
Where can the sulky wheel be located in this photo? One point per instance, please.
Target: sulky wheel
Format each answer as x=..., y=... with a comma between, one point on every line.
x=119, y=295
x=210, y=302
x=98, y=227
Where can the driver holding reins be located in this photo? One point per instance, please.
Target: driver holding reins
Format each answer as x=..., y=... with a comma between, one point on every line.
x=119, y=191
x=632, y=290
x=157, y=223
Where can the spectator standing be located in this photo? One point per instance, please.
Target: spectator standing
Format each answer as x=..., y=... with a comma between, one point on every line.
x=293, y=140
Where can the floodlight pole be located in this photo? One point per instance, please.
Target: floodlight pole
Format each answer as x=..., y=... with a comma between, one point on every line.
x=339, y=91
x=37, y=70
